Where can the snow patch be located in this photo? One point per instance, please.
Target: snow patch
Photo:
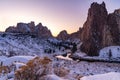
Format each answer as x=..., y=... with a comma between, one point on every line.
x=23, y=59
x=114, y=50
x=106, y=76
x=54, y=77
x=65, y=58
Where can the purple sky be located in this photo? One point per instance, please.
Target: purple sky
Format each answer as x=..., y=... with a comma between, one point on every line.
x=57, y=15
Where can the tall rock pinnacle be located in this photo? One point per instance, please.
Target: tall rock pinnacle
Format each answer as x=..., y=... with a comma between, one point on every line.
x=92, y=31
x=100, y=29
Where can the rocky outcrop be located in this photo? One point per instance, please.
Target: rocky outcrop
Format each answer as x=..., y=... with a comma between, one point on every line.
x=92, y=30
x=30, y=28
x=63, y=35
x=112, y=30
x=100, y=29
x=42, y=31
x=11, y=29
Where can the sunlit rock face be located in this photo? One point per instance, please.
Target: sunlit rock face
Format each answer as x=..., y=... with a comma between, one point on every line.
x=30, y=28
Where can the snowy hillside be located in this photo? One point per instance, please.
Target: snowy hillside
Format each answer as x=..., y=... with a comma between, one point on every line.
x=21, y=44
x=18, y=49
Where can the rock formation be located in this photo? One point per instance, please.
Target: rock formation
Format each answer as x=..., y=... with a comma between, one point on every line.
x=42, y=31
x=63, y=35
x=39, y=30
x=100, y=29
x=92, y=30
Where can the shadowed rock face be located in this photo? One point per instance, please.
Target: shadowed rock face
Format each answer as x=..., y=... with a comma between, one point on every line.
x=39, y=30
x=100, y=29
x=63, y=35
x=113, y=22
x=92, y=30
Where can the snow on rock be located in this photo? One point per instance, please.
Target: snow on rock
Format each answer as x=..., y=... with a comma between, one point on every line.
x=112, y=51
x=106, y=76
x=19, y=64
x=3, y=58
x=54, y=77
x=19, y=44
x=79, y=54
x=65, y=58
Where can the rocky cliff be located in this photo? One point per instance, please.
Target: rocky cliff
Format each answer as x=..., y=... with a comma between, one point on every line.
x=92, y=31
x=100, y=29
x=39, y=30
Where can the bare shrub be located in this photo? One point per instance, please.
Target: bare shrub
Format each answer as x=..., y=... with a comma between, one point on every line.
x=61, y=71
x=35, y=69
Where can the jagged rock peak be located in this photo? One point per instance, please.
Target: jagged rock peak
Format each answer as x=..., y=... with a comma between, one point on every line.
x=39, y=24
x=95, y=4
x=100, y=29
x=92, y=30
x=63, y=35
x=64, y=32
x=97, y=10
x=31, y=24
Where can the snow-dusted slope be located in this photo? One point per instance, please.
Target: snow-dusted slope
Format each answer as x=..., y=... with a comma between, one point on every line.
x=20, y=59
x=14, y=45
x=106, y=76
x=20, y=44
x=9, y=65
x=112, y=52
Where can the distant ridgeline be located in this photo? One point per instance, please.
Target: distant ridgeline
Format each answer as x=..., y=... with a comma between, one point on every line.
x=30, y=28
x=100, y=30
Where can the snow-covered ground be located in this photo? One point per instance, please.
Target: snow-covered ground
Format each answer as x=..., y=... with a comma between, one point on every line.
x=16, y=51
x=12, y=44
x=112, y=52
x=106, y=76
x=76, y=69
x=11, y=64
x=65, y=58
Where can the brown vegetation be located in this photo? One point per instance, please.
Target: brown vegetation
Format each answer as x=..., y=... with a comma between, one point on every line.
x=35, y=69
